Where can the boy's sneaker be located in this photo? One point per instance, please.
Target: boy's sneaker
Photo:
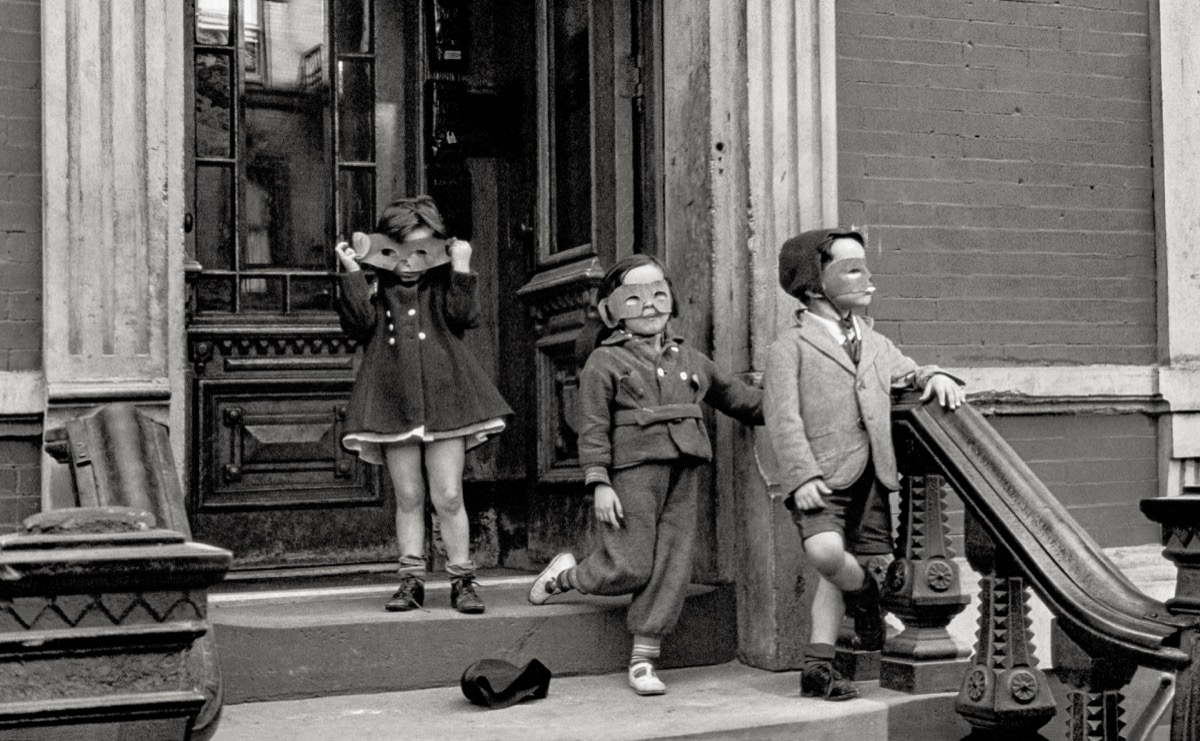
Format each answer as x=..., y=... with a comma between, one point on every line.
x=463, y=597
x=644, y=681
x=820, y=679
x=863, y=606
x=410, y=595
x=546, y=583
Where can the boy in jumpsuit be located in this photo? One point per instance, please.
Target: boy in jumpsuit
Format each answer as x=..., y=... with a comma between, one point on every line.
x=644, y=448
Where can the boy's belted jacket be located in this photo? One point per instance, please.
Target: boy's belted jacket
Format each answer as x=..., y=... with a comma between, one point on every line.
x=637, y=406
x=825, y=416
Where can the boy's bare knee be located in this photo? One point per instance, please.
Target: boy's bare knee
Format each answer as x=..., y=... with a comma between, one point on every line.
x=826, y=552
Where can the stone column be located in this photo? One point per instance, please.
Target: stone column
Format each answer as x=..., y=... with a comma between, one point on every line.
x=774, y=173
x=1175, y=58
x=113, y=104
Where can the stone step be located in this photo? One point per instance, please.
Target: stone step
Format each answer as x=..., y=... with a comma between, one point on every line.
x=278, y=644
x=730, y=702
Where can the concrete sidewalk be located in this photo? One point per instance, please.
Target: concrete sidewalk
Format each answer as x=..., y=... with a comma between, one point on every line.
x=729, y=701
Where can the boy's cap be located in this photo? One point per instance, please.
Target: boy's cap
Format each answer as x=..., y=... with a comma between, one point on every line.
x=495, y=683
x=800, y=259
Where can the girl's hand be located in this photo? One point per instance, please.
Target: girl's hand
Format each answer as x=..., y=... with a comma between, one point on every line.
x=808, y=496
x=345, y=255
x=608, y=506
x=460, y=255
x=949, y=394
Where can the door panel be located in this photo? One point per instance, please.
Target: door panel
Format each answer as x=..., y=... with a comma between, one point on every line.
x=272, y=444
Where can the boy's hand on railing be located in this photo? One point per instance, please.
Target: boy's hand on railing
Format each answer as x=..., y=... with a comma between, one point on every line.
x=809, y=496
x=607, y=506
x=949, y=394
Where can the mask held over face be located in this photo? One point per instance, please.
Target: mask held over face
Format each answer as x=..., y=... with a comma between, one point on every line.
x=628, y=300
x=384, y=253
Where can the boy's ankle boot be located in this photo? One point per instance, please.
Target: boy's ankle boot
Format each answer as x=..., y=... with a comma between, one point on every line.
x=463, y=596
x=863, y=605
x=820, y=679
x=410, y=595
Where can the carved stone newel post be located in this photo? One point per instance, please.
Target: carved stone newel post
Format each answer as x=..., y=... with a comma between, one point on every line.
x=923, y=589
x=1180, y=520
x=1003, y=690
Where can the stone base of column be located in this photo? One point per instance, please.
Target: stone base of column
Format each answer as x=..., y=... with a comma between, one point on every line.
x=921, y=677
x=857, y=665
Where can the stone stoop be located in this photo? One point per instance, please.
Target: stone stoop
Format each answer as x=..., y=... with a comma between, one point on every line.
x=302, y=643
x=729, y=702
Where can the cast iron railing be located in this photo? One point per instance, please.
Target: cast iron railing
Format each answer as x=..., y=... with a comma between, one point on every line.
x=1019, y=536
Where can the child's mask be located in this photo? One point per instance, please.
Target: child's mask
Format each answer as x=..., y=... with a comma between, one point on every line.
x=840, y=282
x=384, y=253
x=627, y=300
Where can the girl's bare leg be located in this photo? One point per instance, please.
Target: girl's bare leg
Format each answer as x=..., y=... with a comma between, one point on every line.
x=444, y=461
x=404, y=467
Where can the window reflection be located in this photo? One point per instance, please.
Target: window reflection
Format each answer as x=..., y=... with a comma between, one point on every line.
x=570, y=105
x=286, y=160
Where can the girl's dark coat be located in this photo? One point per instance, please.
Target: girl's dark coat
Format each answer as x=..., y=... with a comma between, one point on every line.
x=416, y=369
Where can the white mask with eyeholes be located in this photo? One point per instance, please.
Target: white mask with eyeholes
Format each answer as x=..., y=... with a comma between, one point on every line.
x=383, y=253
x=628, y=301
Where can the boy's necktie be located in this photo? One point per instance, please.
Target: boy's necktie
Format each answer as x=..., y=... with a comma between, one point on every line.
x=852, y=343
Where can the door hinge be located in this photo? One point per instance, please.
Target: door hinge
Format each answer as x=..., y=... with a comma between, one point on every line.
x=629, y=78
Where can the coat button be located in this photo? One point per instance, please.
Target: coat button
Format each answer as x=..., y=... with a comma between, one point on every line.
x=682, y=375
x=391, y=340
x=391, y=328
x=388, y=314
x=662, y=372
x=412, y=312
x=420, y=335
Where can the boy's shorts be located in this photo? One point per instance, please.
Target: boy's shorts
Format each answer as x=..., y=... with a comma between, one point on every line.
x=860, y=513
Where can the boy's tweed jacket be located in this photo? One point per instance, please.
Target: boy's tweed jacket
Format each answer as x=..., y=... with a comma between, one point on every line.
x=826, y=417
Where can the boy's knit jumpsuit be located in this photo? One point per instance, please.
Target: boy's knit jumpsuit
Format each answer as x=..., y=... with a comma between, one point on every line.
x=642, y=430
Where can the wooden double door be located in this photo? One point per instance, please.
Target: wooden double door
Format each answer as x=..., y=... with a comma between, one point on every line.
x=529, y=123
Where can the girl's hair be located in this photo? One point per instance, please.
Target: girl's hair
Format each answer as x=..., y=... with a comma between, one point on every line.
x=594, y=331
x=403, y=216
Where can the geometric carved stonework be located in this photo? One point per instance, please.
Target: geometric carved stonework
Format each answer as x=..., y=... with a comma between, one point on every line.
x=922, y=588
x=56, y=612
x=105, y=630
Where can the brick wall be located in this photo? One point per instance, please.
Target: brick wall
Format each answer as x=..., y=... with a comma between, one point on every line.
x=20, y=481
x=1000, y=154
x=20, y=186
x=1098, y=466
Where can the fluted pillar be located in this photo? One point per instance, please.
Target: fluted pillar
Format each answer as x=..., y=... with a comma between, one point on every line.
x=113, y=99
x=774, y=148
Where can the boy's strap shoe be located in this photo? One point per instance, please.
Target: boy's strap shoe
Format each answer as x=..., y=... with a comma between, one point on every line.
x=463, y=596
x=863, y=605
x=644, y=681
x=546, y=583
x=820, y=679
x=410, y=595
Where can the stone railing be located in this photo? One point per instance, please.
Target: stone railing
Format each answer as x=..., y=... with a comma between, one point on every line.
x=1018, y=536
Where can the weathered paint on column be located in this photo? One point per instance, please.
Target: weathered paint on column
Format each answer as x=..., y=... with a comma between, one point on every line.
x=774, y=173
x=112, y=80
x=1176, y=105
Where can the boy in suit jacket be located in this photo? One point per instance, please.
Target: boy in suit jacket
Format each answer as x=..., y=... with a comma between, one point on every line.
x=827, y=402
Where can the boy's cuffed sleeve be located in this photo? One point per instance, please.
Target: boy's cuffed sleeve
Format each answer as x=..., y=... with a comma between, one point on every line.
x=462, y=301
x=595, y=423
x=781, y=406
x=739, y=400
x=356, y=310
x=905, y=372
